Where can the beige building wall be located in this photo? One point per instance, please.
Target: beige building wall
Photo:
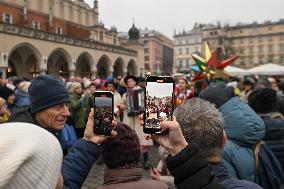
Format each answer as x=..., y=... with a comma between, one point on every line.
x=255, y=43
x=185, y=44
x=153, y=49
x=76, y=11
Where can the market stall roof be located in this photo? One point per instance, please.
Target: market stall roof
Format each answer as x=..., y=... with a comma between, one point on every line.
x=267, y=69
x=235, y=71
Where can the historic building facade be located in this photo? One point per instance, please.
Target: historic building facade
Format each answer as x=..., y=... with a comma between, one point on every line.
x=157, y=49
x=186, y=43
x=158, y=52
x=256, y=43
x=60, y=37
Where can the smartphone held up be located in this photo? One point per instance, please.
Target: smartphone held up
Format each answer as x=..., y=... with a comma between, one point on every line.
x=158, y=103
x=103, y=112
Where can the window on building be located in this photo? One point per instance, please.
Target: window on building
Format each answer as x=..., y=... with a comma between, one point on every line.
x=260, y=49
x=250, y=60
x=146, y=58
x=59, y=30
x=241, y=41
x=282, y=60
x=260, y=39
x=180, y=64
x=114, y=40
x=269, y=28
x=270, y=59
x=281, y=37
x=250, y=40
x=270, y=39
x=270, y=48
x=147, y=66
x=187, y=63
x=36, y=25
x=260, y=59
x=187, y=50
x=7, y=18
x=146, y=50
x=251, y=50
x=101, y=36
x=281, y=47
x=180, y=51
x=242, y=62
x=241, y=50
x=146, y=41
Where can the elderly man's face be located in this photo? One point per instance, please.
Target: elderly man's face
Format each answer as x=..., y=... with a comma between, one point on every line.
x=53, y=118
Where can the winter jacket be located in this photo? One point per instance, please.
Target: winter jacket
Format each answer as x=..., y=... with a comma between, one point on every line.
x=274, y=136
x=22, y=99
x=244, y=129
x=191, y=170
x=228, y=182
x=129, y=179
x=80, y=109
x=22, y=114
x=78, y=163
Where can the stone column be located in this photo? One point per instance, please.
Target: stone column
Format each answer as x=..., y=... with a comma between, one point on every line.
x=110, y=71
x=43, y=66
x=124, y=72
x=3, y=63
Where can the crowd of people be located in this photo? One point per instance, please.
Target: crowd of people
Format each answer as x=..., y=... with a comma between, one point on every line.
x=228, y=134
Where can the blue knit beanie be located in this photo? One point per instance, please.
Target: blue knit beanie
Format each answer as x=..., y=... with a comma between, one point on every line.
x=45, y=92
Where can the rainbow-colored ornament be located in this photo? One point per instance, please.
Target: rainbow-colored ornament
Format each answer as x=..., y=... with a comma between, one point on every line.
x=210, y=67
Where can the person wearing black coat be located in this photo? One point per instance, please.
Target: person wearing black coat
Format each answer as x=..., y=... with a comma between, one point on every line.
x=264, y=103
x=201, y=123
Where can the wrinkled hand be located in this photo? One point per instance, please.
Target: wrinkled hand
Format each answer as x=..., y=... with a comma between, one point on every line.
x=89, y=131
x=155, y=174
x=174, y=142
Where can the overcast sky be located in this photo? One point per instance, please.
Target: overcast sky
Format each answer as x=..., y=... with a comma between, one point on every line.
x=167, y=15
x=159, y=90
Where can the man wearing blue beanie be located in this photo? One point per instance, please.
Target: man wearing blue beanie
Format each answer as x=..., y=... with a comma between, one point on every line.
x=49, y=104
x=49, y=110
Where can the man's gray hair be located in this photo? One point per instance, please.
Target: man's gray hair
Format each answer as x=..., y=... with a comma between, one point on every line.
x=201, y=123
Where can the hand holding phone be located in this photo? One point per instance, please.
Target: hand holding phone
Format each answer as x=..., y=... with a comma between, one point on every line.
x=89, y=134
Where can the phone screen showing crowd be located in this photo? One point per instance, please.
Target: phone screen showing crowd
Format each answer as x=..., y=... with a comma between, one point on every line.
x=158, y=104
x=103, y=115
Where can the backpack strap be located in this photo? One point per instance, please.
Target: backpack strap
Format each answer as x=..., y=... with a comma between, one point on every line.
x=256, y=152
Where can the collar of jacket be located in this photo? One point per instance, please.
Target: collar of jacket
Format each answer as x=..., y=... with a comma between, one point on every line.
x=114, y=176
x=220, y=171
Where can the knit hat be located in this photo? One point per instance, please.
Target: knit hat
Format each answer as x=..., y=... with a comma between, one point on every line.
x=218, y=94
x=45, y=92
x=86, y=82
x=24, y=86
x=263, y=100
x=122, y=150
x=98, y=82
x=74, y=86
x=31, y=157
x=5, y=92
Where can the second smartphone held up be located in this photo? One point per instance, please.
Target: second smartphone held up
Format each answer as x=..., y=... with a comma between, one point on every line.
x=103, y=112
x=158, y=102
